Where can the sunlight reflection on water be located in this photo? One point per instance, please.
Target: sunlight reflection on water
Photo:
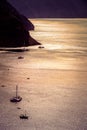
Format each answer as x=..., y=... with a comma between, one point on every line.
x=67, y=32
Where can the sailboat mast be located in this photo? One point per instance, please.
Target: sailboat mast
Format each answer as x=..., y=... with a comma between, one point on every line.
x=16, y=91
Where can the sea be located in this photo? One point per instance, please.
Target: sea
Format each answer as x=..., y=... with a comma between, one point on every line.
x=51, y=78
x=65, y=40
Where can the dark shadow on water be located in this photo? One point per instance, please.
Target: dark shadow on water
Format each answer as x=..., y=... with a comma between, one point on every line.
x=15, y=50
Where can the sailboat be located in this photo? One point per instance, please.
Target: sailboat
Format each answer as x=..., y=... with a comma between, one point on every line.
x=16, y=98
x=24, y=116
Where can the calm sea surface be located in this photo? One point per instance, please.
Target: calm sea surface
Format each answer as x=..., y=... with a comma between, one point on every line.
x=65, y=40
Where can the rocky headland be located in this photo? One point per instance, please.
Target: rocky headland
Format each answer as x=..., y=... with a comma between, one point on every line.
x=14, y=27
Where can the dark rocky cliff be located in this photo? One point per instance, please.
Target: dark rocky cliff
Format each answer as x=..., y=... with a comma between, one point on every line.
x=14, y=27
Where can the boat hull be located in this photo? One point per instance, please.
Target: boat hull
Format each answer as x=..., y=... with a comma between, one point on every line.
x=16, y=99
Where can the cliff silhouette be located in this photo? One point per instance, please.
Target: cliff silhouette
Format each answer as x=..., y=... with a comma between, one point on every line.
x=14, y=27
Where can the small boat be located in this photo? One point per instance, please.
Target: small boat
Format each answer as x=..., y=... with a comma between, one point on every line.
x=16, y=98
x=41, y=47
x=20, y=57
x=23, y=116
